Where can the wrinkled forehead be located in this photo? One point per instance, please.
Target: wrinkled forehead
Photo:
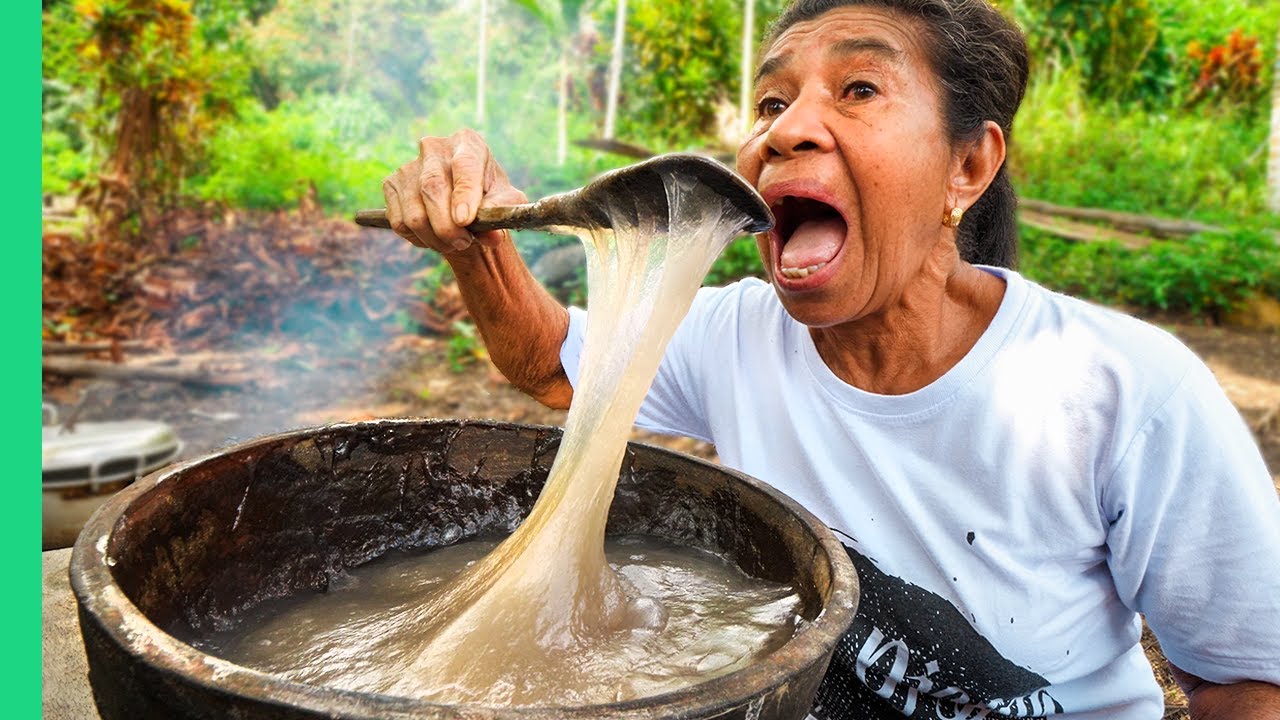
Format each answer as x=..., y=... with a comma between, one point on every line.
x=845, y=33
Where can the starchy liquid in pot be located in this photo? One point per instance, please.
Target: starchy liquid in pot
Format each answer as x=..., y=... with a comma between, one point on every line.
x=697, y=617
x=547, y=591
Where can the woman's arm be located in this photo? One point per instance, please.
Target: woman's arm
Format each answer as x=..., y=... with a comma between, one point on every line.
x=523, y=326
x=430, y=201
x=1239, y=701
x=1194, y=542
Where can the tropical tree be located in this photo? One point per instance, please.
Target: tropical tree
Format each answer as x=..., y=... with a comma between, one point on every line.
x=159, y=82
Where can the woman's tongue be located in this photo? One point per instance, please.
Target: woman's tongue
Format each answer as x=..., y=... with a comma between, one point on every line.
x=811, y=246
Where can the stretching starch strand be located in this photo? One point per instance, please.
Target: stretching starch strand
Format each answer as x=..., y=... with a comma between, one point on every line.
x=510, y=628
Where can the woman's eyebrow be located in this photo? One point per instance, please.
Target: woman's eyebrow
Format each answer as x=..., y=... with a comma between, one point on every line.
x=854, y=46
x=772, y=65
x=848, y=46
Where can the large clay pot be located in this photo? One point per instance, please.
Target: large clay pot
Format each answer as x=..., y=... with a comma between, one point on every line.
x=186, y=550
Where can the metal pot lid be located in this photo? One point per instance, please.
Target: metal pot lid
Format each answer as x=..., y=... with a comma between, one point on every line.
x=91, y=444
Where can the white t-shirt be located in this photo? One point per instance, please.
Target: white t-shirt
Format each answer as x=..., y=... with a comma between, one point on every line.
x=1009, y=520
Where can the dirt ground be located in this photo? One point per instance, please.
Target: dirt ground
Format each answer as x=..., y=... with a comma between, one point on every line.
x=302, y=384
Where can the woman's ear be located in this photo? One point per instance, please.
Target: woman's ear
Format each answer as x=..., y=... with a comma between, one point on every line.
x=975, y=166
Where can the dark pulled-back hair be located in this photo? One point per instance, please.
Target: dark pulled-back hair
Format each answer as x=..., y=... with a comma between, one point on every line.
x=980, y=60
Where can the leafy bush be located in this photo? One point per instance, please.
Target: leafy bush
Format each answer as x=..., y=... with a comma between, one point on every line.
x=740, y=259
x=1140, y=50
x=1072, y=151
x=1205, y=274
x=1117, y=46
x=465, y=346
x=1230, y=73
x=61, y=164
x=267, y=159
x=1209, y=23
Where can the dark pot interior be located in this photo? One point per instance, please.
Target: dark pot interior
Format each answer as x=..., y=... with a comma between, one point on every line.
x=188, y=549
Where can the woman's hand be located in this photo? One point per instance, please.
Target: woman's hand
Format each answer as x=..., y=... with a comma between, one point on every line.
x=430, y=202
x=431, y=199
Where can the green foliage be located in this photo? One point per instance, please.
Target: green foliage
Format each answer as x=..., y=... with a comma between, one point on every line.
x=683, y=62
x=1229, y=74
x=134, y=88
x=267, y=159
x=1140, y=50
x=346, y=143
x=1209, y=165
x=61, y=164
x=1205, y=274
x=67, y=102
x=1118, y=46
x=740, y=259
x=333, y=94
x=1073, y=151
x=1209, y=23
x=464, y=346
x=681, y=78
x=73, y=115
x=379, y=48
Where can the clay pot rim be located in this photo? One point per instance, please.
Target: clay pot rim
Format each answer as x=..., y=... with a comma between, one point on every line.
x=99, y=597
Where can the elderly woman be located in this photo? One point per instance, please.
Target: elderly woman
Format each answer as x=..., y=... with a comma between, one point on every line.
x=1016, y=474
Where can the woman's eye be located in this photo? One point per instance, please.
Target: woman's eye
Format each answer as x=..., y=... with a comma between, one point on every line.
x=860, y=91
x=770, y=107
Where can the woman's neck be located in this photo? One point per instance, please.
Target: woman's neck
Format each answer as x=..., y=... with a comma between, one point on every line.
x=917, y=338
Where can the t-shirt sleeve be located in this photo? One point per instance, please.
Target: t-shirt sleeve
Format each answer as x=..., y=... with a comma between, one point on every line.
x=672, y=405
x=1194, y=538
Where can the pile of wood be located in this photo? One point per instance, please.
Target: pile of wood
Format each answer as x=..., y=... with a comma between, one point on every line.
x=213, y=282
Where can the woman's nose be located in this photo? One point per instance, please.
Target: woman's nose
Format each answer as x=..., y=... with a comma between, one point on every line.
x=798, y=129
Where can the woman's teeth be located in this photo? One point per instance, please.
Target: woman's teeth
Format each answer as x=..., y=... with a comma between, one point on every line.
x=800, y=273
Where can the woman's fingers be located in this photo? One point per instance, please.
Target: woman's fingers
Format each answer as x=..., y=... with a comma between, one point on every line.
x=395, y=212
x=469, y=164
x=435, y=186
x=431, y=200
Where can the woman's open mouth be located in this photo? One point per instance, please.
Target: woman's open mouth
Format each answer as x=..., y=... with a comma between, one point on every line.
x=808, y=235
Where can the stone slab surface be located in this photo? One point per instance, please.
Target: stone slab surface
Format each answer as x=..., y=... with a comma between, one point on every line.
x=64, y=669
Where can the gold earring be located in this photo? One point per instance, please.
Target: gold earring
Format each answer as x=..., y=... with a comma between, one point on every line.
x=953, y=218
